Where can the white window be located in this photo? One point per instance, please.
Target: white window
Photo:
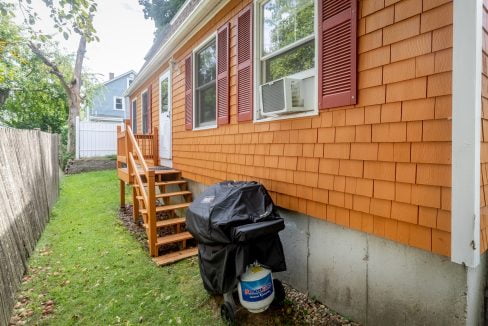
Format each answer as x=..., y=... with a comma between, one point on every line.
x=118, y=103
x=285, y=49
x=145, y=111
x=164, y=94
x=205, y=60
x=134, y=116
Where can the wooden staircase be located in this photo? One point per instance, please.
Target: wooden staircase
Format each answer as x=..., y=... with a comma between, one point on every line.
x=160, y=197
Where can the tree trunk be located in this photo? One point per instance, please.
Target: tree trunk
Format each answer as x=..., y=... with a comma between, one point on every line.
x=73, y=89
x=4, y=93
x=75, y=96
x=74, y=109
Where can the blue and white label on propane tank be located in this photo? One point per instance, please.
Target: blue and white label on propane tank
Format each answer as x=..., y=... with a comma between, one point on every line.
x=257, y=290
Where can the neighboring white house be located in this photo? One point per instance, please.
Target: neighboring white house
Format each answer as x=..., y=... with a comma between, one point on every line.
x=110, y=104
x=96, y=135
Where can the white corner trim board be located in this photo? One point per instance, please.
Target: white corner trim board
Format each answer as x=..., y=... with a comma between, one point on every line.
x=466, y=125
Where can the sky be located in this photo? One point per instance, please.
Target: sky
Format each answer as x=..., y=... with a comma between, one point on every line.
x=125, y=36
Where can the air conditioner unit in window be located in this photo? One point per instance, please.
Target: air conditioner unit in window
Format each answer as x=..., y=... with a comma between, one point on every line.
x=282, y=96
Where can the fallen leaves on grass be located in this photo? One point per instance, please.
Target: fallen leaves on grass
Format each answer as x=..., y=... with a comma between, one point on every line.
x=299, y=309
x=47, y=307
x=45, y=251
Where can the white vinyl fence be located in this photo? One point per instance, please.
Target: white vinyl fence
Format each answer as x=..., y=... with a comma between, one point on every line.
x=96, y=138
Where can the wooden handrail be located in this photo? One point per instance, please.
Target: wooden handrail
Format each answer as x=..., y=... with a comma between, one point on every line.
x=156, y=146
x=136, y=148
x=139, y=181
x=152, y=234
x=149, y=198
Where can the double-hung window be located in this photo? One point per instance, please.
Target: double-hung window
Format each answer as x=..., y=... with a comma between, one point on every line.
x=118, y=103
x=285, y=44
x=145, y=112
x=134, y=116
x=205, y=59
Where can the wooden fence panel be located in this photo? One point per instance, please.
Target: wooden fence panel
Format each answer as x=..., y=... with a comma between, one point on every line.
x=29, y=187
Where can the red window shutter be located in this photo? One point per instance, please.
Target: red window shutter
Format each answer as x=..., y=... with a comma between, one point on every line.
x=244, y=65
x=337, y=53
x=149, y=109
x=188, y=93
x=223, y=74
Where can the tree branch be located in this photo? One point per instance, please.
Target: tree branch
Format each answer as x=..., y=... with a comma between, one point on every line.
x=54, y=68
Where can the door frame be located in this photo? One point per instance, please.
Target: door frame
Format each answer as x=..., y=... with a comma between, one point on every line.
x=166, y=74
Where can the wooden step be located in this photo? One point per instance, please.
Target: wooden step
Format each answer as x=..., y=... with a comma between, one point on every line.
x=175, y=256
x=156, y=172
x=172, y=238
x=171, y=183
x=168, y=222
x=164, y=172
x=167, y=208
x=170, y=194
x=166, y=183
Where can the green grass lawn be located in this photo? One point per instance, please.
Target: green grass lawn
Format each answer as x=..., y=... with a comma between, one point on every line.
x=87, y=269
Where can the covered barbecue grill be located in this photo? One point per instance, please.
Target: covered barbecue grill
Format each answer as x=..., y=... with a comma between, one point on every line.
x=236, y=224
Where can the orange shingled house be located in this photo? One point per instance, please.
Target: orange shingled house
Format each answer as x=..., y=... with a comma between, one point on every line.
x=364, y=120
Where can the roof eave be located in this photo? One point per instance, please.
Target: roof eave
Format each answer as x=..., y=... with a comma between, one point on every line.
x=203, y=12
x=120, y=76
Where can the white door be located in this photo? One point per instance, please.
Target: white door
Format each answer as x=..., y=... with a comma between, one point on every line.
x=165, y=118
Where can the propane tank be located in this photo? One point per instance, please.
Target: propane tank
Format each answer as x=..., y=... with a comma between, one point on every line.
x=256, y=291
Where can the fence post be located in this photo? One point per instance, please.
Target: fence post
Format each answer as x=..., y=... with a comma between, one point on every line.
x=118, y=153
x=135, y=205
x=128, y=149
x=122, y=193
x=77, y=138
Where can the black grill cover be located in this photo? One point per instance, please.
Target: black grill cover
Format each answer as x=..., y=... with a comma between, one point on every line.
x=235, y=224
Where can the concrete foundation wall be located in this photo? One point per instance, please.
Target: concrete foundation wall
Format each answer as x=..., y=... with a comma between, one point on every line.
x=376, y=281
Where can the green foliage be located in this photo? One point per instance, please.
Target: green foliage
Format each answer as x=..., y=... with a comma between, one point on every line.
x=30, y=95
x=160, y=11
x=96, y=273
x=33, y=97
x=90, y=88
x=64, y=155
x=287, y=21
x=291, y=62
x=68, y=16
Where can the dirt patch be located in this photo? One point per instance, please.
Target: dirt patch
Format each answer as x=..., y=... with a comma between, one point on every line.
x=137, y=231
x=298, y=309
x=90, y=164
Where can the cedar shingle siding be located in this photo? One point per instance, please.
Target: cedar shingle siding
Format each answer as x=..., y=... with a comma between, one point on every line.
x=381, y=166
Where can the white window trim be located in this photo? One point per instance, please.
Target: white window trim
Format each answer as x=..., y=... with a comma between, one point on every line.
x=131, y=78
x=132, y=113
x=167, y=74
x=115, y=103
x=142, y=109
x=194, y=74
x=257, y=30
